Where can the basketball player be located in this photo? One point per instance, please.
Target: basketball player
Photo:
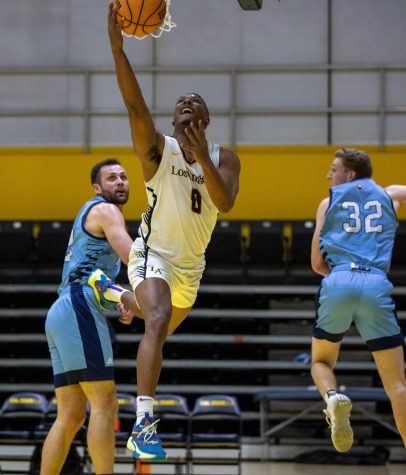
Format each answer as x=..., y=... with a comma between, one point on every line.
x=188, y=181
x=352, y=247
x=77, y=332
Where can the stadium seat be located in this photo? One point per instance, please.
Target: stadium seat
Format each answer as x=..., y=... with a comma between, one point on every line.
x=299, y=268
x=266, y=253
x=223, y=255
x=215, y=432
x=16, y=251
x=21, y=413
x=53, y=239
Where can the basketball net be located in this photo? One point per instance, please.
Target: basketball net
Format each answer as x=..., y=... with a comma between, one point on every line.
x=167, y=25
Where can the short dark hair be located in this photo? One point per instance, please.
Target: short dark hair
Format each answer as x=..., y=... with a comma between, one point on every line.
x=95, y=173
x=355, y=160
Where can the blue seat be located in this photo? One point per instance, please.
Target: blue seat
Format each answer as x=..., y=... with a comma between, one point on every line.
x=216, y=423
x=21, y=413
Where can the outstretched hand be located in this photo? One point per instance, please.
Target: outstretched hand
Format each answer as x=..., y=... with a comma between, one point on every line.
x=115, y=23
x=197, y=143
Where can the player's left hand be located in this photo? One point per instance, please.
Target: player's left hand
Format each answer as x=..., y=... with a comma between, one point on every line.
x=197, y=144
x=126, y=316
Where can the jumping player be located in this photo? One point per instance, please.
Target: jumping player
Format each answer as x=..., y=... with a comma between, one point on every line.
x=188, y=181
x=352, y=247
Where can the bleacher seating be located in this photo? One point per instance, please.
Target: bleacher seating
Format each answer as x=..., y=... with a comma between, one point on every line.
x=52, y=241
x=16, y=251
x=224, y=254
x=238, y=340
x=299, y=270
x=266, y=253
x=216, y=428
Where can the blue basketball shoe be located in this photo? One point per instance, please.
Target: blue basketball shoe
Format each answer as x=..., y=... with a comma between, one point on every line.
x=144, y=441
x=107, y=293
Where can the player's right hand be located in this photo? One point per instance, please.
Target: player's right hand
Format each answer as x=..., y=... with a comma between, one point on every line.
x=114, y=22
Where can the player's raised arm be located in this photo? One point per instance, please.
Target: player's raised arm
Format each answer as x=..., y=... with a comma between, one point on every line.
x=147, y=142
x=397, y=194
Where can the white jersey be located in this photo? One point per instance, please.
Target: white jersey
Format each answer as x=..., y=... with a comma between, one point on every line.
x=181, y=215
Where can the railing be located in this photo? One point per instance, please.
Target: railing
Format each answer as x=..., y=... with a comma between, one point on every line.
x=87, y=111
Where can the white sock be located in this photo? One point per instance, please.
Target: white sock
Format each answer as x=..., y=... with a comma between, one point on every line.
x=144, y=404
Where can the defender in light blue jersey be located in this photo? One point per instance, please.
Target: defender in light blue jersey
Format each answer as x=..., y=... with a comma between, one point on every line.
x=77, y=331
x=352, y=247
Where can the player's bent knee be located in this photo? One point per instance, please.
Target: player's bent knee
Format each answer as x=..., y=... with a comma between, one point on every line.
x=157, y=324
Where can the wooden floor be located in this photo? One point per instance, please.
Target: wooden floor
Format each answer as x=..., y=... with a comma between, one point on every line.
x=260, y=468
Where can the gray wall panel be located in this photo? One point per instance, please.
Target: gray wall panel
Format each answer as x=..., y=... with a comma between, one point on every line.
x=73, y=33
x=46, y=131
x=369, y=31
x=396, y=88
x=282, y=90
x=282, y=130
x=349, y=129
x=355, y=89
x=214, y=88
x=396, y=129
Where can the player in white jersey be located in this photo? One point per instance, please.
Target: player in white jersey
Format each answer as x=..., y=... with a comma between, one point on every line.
x=188, y=181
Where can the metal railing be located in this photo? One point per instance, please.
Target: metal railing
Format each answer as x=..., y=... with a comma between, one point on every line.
x=88, y=111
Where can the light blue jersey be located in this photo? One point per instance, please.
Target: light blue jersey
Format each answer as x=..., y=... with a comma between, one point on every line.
x=77, y=331
x=360, y=226
x=86, y=252
x=356, y=241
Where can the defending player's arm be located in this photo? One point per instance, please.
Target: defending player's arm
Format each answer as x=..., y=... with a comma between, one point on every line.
x=317, y=261
x=106, y=220
x=223, y=182
x=148, y=144
x=398, y=195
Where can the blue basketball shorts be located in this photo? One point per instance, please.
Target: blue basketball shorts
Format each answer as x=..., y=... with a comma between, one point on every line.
x=78, y=338
x=359, y=297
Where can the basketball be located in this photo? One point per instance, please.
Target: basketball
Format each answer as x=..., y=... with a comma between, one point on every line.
x=141, y=17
